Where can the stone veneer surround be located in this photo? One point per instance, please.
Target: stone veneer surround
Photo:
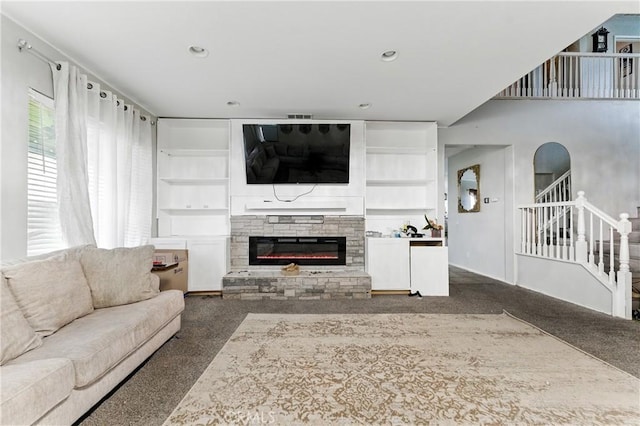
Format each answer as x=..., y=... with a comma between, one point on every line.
x=351, y=227
x=313, y=282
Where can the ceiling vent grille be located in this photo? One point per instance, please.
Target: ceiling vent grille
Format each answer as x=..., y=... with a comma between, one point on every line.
x=300, y=116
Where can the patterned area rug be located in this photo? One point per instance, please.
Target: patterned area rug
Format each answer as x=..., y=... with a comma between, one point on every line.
x=404, y=369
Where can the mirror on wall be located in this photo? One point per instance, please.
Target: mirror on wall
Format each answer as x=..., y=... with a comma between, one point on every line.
x=469, y=189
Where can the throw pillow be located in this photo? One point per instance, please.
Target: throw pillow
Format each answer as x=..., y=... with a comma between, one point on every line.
x=16, y=335
x=51, y=293
x=120, y=276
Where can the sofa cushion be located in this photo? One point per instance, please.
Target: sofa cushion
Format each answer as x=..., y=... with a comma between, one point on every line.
x=16, y=335
x=120, y=276
x=98, y=342
x=50, y=293
x=71, y=252
x=28, y=390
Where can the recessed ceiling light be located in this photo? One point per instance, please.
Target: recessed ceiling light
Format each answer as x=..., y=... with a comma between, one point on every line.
x=389, y=55
x=233, y=103
x=364, y=106
x=198, y=51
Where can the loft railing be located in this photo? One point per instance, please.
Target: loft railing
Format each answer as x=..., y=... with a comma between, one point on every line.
x=547, y=233
x=581, y=75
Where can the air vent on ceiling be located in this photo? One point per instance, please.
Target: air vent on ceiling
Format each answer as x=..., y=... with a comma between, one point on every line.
x=300, y=116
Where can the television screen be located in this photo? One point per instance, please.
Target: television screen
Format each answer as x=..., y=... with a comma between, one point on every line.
x=297, y=153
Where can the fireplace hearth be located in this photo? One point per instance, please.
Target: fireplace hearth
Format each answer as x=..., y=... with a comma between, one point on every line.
x=300, y=250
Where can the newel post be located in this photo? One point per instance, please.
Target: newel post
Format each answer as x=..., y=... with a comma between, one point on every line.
x=581, y=243
x=623, y=285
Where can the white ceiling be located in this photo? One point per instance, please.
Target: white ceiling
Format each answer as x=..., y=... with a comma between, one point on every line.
x=312, y=57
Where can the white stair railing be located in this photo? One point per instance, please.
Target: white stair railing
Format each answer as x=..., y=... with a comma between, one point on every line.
x=581, y=75
x=594, y=240
x=558, y=191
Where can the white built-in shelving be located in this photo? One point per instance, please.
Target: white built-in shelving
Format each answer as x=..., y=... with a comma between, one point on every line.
x=398, y=184
x=401, y=174
x=193, y=177
x=193, y=196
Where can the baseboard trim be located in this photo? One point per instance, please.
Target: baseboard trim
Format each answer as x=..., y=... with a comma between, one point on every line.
x=204, y=293
x=389, y=292
x=481, y=273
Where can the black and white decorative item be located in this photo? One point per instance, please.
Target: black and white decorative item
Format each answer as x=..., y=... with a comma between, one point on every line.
x=600, y=40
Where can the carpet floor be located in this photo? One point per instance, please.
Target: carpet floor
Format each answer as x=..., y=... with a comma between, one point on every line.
x=150, y=395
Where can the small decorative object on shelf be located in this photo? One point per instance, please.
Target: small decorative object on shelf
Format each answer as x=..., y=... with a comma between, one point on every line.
x=411, y=231
x=436, y=229
x=291, y=269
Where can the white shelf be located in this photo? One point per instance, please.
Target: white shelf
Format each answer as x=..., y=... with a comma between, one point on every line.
x=195, y=152
x=396, y=150
x=194, y=181
x=296, y=205
x=398, y=182
x=399, y=210
x=401, y=169
x=194, y=237
x=193, y=210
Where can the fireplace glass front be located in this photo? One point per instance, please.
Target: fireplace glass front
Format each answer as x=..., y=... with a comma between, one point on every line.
x=300, y=250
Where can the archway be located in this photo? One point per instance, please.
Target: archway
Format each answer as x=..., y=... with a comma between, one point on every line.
x=552, y=173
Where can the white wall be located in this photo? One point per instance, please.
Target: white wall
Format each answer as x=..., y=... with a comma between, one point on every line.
x=618, y=26
x=565, y=281
x=477, y=240
x=337, y=199
x=20, y=71
x=602, y=137
x=552, y=158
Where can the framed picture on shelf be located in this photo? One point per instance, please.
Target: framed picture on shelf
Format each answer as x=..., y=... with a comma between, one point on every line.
x=626, y=64
x=626, y=46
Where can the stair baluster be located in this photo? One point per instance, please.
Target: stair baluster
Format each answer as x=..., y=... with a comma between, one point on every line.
x=623, y=305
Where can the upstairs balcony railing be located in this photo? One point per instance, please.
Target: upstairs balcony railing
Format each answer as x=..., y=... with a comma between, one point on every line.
x=581, y=75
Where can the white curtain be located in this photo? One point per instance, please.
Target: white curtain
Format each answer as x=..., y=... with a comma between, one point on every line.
x=119, y=169
x=70, y=97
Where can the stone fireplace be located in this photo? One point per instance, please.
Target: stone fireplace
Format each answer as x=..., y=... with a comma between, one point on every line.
x=329, y=250
x=349, y=227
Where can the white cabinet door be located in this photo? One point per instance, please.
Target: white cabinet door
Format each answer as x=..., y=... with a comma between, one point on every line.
x=208, y=263
x=388, y=263
x=430, y=270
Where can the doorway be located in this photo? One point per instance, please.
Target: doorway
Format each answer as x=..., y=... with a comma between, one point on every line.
x=552, y=173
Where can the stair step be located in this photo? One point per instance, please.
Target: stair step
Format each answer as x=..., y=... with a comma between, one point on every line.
x=634, y=249
x=632, y=260
x=634, y=236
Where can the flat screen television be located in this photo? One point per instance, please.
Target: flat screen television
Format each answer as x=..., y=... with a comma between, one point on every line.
x=297, y=153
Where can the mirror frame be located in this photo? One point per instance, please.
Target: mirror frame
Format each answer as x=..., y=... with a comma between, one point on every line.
x=475, y=169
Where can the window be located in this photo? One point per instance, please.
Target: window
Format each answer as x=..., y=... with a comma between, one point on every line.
x=43, y=225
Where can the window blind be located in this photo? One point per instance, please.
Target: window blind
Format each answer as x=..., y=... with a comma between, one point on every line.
x=43, y=225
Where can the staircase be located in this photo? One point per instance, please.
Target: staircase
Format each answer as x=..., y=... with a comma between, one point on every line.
x=578, y=233
x=554, y=223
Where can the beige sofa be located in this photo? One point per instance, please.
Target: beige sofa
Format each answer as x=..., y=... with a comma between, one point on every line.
x=74, y=324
